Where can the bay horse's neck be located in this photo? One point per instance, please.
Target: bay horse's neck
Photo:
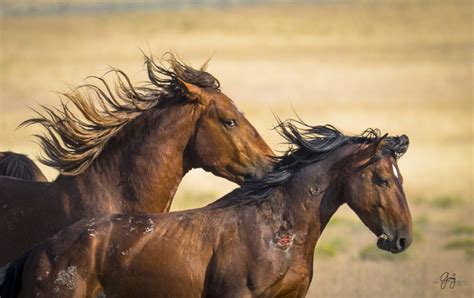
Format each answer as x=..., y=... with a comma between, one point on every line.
x=310, y=199
x=140, y=169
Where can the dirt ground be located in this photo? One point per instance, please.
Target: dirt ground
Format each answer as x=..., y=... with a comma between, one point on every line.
x=404, y=67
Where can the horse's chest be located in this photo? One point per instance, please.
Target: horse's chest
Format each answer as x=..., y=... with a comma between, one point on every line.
x=281, y=272
x=292, y=283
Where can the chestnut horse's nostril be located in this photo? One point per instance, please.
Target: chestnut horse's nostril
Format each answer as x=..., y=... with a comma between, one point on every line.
x=401, y=243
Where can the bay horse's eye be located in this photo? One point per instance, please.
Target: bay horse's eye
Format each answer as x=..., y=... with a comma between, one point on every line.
x=229, y=123
x=382, y=182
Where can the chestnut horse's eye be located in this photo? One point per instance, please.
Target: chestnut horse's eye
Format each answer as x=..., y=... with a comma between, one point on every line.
x=229, y=122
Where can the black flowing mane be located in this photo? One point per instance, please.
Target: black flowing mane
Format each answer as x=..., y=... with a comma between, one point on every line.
x=73, y=141
x=310, y=144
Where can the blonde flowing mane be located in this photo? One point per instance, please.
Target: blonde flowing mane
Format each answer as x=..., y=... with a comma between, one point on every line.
x=72, y=141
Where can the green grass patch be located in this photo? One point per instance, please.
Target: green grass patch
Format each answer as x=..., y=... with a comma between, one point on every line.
x=446, y=202
x=421, y=221
x=418, y=234
x=420, y=225
x=469, y=253
x=459, y=229
x=467, y=243
x=331, y=248
x=373, y=253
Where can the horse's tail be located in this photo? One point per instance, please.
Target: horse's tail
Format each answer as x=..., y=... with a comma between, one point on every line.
x=19, y=166
x=12, y=281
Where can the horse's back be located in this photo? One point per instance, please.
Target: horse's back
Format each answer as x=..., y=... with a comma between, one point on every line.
x=12, y=188
x=110, y=248
x=174, y=241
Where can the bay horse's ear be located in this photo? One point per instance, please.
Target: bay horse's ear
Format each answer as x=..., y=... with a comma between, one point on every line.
x=193, y=92
x=367, y=154
x=378, y=147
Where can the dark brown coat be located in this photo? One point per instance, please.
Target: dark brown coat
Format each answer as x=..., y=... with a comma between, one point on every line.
x=258, y=241
x=129, y=156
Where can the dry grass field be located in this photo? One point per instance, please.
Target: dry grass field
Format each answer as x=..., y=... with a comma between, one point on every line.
x=401, y=66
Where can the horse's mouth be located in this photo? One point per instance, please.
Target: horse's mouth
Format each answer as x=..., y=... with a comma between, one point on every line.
x=241, y=173
x=383, y=242
x=234, y=177
x=240, y=177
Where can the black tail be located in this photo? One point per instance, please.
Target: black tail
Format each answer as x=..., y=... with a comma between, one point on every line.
x=12, y=282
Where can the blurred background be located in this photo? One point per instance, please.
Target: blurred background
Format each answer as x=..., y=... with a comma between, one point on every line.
x=404, y=67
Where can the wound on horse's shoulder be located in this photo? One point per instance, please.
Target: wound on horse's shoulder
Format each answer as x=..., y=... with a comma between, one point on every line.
x=283, y=239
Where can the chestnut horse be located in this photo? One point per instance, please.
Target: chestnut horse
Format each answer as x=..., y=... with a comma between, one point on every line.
x=19, y=166
x=129, y=152
x=257, y=241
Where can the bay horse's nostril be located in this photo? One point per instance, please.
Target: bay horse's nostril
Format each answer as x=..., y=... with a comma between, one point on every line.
x=401, y=243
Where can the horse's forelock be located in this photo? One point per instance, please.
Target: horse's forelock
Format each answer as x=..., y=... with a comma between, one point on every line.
x=397, y=145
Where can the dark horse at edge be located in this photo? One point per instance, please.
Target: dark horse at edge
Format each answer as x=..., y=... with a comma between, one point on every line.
x=128, y=150
x=257, y=241
x=19, y=166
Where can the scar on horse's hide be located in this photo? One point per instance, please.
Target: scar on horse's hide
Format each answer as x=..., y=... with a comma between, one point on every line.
x=283, y=239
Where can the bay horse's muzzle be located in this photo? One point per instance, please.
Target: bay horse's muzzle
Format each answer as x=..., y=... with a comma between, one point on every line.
x=395, y=245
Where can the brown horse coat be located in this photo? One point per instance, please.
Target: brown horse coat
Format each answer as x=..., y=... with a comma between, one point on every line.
x=258, y=240
x=130, y=153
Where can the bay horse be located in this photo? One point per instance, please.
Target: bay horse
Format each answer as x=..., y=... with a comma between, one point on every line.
x=19, y=166
x=127, y=149
x=257, y=241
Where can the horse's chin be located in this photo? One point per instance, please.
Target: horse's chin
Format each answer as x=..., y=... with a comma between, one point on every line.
x=236, y=178
x=239, y=180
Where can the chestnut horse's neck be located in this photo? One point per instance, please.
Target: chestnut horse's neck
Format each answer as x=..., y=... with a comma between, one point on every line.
x=140, y=169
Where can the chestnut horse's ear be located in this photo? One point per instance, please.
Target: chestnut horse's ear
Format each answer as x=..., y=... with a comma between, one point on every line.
x=193, y=92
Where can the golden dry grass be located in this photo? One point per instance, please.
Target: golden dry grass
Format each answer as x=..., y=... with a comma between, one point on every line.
x=401, y=66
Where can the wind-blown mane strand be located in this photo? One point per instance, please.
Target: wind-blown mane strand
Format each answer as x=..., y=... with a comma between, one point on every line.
x=310, y=144
x=73, y=140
